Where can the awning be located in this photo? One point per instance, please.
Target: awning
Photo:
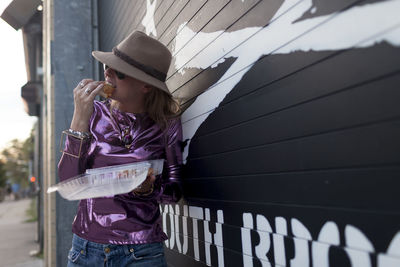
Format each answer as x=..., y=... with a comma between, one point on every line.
x=19, y=12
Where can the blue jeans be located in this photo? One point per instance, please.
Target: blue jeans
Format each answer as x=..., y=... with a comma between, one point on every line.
x=87, y=253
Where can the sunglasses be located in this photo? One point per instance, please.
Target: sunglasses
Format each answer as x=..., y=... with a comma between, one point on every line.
x=120, y=75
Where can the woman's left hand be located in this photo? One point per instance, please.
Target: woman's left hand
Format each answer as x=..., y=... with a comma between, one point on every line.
x=146, y=187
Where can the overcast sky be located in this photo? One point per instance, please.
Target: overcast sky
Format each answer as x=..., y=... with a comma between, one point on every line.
x=14, y=121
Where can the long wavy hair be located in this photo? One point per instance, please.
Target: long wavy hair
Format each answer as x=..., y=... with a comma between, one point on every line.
x=159, y=105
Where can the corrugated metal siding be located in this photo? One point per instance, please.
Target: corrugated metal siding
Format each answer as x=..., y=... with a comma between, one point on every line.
x=293, y=120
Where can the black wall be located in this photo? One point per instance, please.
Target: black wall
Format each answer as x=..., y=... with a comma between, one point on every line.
x=293, y=119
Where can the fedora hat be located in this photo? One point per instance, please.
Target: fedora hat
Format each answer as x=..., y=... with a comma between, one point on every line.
x=141, y=57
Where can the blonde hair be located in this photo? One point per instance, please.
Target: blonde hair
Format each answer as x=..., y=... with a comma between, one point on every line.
x=159, y=105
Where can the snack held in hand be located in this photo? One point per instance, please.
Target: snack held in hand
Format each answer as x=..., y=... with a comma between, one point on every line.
x=108, y=90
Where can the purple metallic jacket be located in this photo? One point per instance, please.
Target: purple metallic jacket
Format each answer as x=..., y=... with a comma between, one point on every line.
x=126, y=218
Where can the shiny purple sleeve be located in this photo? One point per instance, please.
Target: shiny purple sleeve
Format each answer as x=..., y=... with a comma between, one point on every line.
x=70, y=166
x=170, y=189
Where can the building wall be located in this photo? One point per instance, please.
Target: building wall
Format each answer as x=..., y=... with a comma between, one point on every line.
x=291, y=112
x=68, y=42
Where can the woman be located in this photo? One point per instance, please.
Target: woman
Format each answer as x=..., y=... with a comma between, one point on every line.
x=139, y=123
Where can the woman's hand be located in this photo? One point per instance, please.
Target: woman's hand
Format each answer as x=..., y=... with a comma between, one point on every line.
x=84, y=95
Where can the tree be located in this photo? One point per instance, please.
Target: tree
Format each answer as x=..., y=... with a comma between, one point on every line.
x=16, y=157
x=3, y=177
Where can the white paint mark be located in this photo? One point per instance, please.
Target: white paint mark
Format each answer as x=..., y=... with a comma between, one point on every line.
x=264, y=231
x=218, y=238
x=263, y=224
x=220, y=216
x=171, y=221
x=207, y=237
x=148, y=19
x=164, y=222
x=359, y=258
x=390, y=258
x=182, y=248
x=197, y=214
x=329, y=234
x=394, y=247
x=347, y=29
x=357, y=240
x=299, y=230
x=220, y=42
x=246, y=239
x=313, y=10
x=301, y=253
x=280, y=226
x=278, y=239
x=358, y=247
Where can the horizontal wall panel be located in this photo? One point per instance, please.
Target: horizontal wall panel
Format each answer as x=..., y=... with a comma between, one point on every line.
x=203, y=16
x=357, y=188
x=186, y=14
x=297, y=250
x=117, y=20
x=380, y=229
x=322, y=8
x=140, y=17
x=129, y=20
x=160, y=14
x=230, y=15
x=376, y=101
x=214, y=53
x=269, y=93
x=232, y=235
x=213, y=47
x=350, y=68
x=170, y=16
x=363, y=146
x=281, y=239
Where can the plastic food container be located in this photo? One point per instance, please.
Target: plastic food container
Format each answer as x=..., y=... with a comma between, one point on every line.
x=107, y=181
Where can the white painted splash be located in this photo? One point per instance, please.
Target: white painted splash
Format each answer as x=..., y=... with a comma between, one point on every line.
x=358, y=247
x=359, y=27
x=299, y=230
x=357, y=240
x=258, y=236
x=148, y=19
x=313, y=10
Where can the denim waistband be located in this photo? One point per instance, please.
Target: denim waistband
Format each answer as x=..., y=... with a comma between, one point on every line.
x=84, y=245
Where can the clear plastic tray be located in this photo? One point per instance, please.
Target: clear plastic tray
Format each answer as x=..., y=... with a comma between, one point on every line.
x=107, y=181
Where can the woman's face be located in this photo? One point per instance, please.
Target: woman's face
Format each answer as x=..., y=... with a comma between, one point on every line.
x=127, y=88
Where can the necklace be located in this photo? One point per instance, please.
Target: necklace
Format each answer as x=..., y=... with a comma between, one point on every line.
x=126, y=137
x=125, y=133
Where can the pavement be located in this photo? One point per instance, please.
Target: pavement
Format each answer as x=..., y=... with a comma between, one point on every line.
x=17, y=237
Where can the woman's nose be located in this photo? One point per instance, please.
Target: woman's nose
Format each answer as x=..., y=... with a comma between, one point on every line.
x=107, y=72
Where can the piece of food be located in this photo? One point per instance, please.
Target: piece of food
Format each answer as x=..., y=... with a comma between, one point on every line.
x=123, y=174
x=108, y=90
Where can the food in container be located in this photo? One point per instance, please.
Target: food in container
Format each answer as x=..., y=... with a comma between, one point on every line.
x=107, y=181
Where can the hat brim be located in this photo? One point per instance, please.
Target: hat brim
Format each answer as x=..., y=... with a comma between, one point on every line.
x=118, y=64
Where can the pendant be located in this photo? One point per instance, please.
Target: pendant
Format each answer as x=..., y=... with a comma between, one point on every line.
x=127, y=138
x=128, y=146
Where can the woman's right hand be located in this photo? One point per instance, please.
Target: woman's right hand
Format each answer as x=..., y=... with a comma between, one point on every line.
x=84, y=95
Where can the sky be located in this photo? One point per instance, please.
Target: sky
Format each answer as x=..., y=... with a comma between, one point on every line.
x=14, y=121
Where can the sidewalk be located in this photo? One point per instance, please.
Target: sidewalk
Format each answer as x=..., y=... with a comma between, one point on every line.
x=17, y=238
